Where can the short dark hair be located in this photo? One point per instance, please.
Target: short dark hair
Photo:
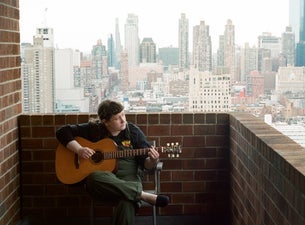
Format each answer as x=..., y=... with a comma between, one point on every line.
x=108, y=108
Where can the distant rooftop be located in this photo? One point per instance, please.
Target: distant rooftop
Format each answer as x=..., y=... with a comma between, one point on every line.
x=294, y=131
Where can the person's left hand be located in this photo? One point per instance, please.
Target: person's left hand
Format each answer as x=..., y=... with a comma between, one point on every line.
x=153, y=155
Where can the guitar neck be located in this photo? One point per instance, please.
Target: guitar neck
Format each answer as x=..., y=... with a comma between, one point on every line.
x=127, y=153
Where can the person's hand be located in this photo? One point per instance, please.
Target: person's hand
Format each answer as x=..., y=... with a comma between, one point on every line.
x=85, y=152
x=153, y=155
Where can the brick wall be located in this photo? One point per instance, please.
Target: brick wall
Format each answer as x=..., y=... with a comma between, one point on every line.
x=10, y=108
x=197, y=182
x=267, y=174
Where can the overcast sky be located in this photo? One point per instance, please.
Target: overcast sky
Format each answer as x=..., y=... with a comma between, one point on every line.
x=79, y=24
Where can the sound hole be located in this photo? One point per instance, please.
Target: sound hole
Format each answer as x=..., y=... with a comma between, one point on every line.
x=97, y=157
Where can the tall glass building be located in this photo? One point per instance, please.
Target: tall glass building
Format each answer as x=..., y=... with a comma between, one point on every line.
x=299, y=6
x=294, y=17
x=301, y=19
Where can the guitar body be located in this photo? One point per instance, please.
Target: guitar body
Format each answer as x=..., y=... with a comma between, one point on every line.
x=71, y=169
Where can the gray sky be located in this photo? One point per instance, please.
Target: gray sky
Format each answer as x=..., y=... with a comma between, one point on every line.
x=79, y=24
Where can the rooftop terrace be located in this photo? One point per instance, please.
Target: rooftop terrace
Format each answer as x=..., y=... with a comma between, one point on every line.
x=233, y=166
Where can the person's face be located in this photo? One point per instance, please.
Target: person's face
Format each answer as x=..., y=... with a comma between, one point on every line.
x=116, y=123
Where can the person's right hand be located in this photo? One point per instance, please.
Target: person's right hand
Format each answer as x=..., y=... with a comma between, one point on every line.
x=85, y=152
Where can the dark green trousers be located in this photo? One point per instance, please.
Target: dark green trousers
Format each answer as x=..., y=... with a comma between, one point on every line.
x=123, y=188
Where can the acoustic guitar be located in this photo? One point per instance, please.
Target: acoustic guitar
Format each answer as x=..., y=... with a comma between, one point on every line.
x=71, y=169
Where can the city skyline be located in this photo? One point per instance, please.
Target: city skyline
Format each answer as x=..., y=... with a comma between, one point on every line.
x=73, y=29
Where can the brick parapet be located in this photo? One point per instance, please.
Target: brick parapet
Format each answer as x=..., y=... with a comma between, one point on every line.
x=197, y=182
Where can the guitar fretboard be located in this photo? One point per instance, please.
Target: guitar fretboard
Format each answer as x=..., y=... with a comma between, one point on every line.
x=127, y=153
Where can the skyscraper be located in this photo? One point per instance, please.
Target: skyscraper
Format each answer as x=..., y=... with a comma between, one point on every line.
x=111, y=55
x=132, y=41
x=229, y=49
x=226, y=51
x=300, y=49
x=295, y=18
x=183, y=42
x=38, y=73
x=202, y=47
x=302, y=20
x=118, y=44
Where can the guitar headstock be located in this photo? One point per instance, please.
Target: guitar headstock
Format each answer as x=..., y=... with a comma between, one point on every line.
x=173, y=150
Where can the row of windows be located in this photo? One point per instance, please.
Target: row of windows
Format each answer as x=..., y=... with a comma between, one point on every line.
x=211, y=102
x=211, y=107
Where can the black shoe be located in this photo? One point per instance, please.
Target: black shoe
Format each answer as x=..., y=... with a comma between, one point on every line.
x=162, y=201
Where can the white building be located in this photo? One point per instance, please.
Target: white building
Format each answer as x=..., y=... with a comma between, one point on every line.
x=208, y=92
x=67, y=95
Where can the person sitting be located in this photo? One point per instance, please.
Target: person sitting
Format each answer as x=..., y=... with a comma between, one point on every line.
x=124, y=186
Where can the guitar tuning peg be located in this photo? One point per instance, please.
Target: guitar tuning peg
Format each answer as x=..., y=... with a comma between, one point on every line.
x=179, y=150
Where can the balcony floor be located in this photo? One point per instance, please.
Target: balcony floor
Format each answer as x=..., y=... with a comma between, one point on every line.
x=144, y=220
